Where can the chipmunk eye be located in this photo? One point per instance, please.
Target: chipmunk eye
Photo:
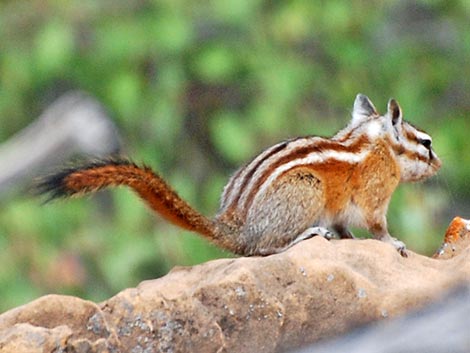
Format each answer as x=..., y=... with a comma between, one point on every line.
x=425, y=142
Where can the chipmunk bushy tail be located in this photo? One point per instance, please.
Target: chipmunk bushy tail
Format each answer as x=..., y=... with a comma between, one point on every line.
x=96, y=175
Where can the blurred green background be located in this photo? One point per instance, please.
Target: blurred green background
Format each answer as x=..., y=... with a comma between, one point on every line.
x=199, y=87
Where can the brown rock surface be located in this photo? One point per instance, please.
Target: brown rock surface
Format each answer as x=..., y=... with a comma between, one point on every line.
x=456, y=239
x=314, y=290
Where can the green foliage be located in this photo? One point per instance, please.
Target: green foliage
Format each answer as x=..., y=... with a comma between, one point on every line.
x=243, y=74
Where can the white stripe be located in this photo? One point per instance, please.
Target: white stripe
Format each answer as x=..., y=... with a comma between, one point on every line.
x=227, y=198
x=291, y=146
x=423, y=136
x=414, y=146
x=312, y=158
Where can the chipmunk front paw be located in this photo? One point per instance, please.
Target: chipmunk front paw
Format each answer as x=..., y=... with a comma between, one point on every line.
x=316, y=231
x=397, y=244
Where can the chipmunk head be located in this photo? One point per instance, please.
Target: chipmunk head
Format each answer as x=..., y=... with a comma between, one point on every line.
x=411, y=146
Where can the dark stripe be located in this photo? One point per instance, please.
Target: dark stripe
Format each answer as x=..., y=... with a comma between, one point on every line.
x=252, y=171
x=297, y=153
x=230, y=186
x=301, y=153
x=410, y=135
x=400, y=150
x=348, y=135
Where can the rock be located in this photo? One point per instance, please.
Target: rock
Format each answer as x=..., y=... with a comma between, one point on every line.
x=438, y=328
x=314, y=290
x=27, y=338
x=456, y=239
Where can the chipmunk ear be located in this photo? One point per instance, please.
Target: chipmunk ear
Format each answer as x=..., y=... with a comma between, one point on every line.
x=363, y=108
x=394, y=111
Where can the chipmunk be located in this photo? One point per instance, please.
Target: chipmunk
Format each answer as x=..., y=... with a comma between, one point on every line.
x=291, y=191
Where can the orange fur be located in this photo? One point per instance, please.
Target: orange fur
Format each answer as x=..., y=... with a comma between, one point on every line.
x=272, y=202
